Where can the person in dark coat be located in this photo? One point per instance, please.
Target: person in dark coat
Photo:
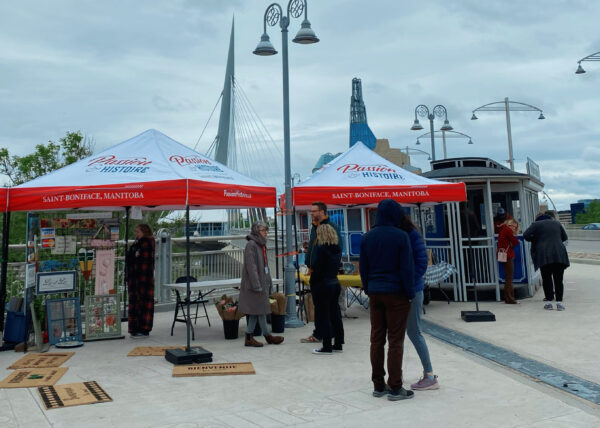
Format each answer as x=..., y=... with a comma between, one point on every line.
x=318, y=213
x=140, y=282
x=413, y=326
x=387, y=272
x=549, y=254
x=506, y=242
x=255, y=287
x=325, y=289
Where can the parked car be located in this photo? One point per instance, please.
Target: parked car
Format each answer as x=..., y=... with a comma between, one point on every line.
x=591, y=226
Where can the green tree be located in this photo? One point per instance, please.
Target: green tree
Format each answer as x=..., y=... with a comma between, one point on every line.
x=46, y=158
x=590, y=215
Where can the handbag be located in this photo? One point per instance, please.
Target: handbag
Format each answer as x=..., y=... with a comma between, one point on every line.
x=502, y=255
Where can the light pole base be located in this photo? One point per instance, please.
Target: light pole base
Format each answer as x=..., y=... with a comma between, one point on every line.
x=292, y=321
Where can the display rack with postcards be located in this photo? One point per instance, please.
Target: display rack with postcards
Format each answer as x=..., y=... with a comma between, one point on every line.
x=78, y=249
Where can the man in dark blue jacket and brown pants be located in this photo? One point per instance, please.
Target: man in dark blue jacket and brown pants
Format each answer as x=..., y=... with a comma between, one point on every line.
x=387, y=274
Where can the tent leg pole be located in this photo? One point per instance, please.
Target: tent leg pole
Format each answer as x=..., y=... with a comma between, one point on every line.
x=124, y=315
x=188, y=273
x=276, y=247
x=4, y=267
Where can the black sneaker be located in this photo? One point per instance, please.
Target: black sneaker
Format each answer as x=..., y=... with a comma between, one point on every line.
x=321, y=351
x=400, y=394
x=337, y=348
x=381, y=392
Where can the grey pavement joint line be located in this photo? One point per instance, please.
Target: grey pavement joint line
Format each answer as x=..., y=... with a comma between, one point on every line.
x=557, y=378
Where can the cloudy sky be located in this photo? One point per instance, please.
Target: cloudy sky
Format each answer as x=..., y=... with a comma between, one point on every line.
x=113, y=69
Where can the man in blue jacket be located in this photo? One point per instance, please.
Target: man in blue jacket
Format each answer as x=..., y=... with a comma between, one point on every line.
x=387, y=275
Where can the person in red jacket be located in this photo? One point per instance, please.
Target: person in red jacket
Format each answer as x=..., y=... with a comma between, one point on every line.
x=506, y=242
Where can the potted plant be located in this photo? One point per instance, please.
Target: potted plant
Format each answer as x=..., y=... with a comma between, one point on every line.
x=229, y=313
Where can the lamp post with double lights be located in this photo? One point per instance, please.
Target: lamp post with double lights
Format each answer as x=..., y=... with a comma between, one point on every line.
x=273, y=16
x=508, y=106
x=446, y=134
x=406, y=149
x=593, y=57
x=438, y=111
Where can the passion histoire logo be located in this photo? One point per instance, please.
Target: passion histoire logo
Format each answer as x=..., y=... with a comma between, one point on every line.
x=354, y=170
x=113, y=164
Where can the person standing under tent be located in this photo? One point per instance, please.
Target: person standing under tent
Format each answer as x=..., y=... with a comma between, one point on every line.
x=506, y=242
x=255, y=287
x=318, y=213
x=325, y=288
x=413, y=327
x=549, y=254
x=387, y=272
x=140, y=282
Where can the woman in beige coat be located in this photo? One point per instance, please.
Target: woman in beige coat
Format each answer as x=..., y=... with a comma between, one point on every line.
x=256, y=285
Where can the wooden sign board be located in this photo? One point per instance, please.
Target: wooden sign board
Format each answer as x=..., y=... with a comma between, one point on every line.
x=219, y=369
x=151, y=351
x=51, y=359
x=32, y=378
x=72, y=394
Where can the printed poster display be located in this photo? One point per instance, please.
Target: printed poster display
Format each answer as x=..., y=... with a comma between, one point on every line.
x=56, y=282
x=64, y=244
x=47, y=237
x=105, y=271
x=102, y=317
x=30, y=275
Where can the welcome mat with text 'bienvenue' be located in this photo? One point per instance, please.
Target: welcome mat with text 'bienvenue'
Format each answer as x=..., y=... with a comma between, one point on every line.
x=151, y=351
x=32, y=378
x=219, y=369
x=72, y=394
x=51, y=359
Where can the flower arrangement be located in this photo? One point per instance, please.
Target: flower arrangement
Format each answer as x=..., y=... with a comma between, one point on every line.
x=278, y=303
x=228, y=308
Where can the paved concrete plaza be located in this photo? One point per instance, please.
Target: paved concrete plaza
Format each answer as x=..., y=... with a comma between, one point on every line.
x=294, y=387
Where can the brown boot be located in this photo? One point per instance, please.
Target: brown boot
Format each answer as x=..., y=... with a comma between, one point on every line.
x=250, y=341
x=273, y=340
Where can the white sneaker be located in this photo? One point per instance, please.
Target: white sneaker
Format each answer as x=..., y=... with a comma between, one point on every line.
x=559, y=306
x=548, y=306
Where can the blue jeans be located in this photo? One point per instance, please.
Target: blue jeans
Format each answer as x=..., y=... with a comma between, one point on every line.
x=413, y=331
x=262, y=321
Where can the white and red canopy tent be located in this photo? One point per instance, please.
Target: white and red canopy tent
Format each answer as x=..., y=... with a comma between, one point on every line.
x=360, y=176
x=149, y=170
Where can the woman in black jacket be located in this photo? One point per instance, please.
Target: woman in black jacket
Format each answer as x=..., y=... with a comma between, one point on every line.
x=325, y=289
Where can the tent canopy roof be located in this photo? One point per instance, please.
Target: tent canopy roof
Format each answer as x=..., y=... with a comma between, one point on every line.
x=360, y=176
x=149, y=170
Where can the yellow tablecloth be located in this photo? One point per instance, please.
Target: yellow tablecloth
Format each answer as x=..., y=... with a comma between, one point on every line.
x=345, y=280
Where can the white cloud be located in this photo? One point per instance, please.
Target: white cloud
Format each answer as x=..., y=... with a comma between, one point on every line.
x=114, y=69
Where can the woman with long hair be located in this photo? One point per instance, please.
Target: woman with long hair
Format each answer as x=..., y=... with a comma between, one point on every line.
x=413, y=327
x=140, y=282
x=325, y=289
x=256, y=286
x=506, y=242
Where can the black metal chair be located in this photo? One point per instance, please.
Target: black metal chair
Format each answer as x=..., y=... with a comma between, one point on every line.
x=181, y=304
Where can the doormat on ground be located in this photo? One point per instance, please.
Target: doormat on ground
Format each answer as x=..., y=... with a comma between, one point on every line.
x=51, y=359
x=151, y=351
x=31, y=378
x=220, y=369
x=72, y=394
